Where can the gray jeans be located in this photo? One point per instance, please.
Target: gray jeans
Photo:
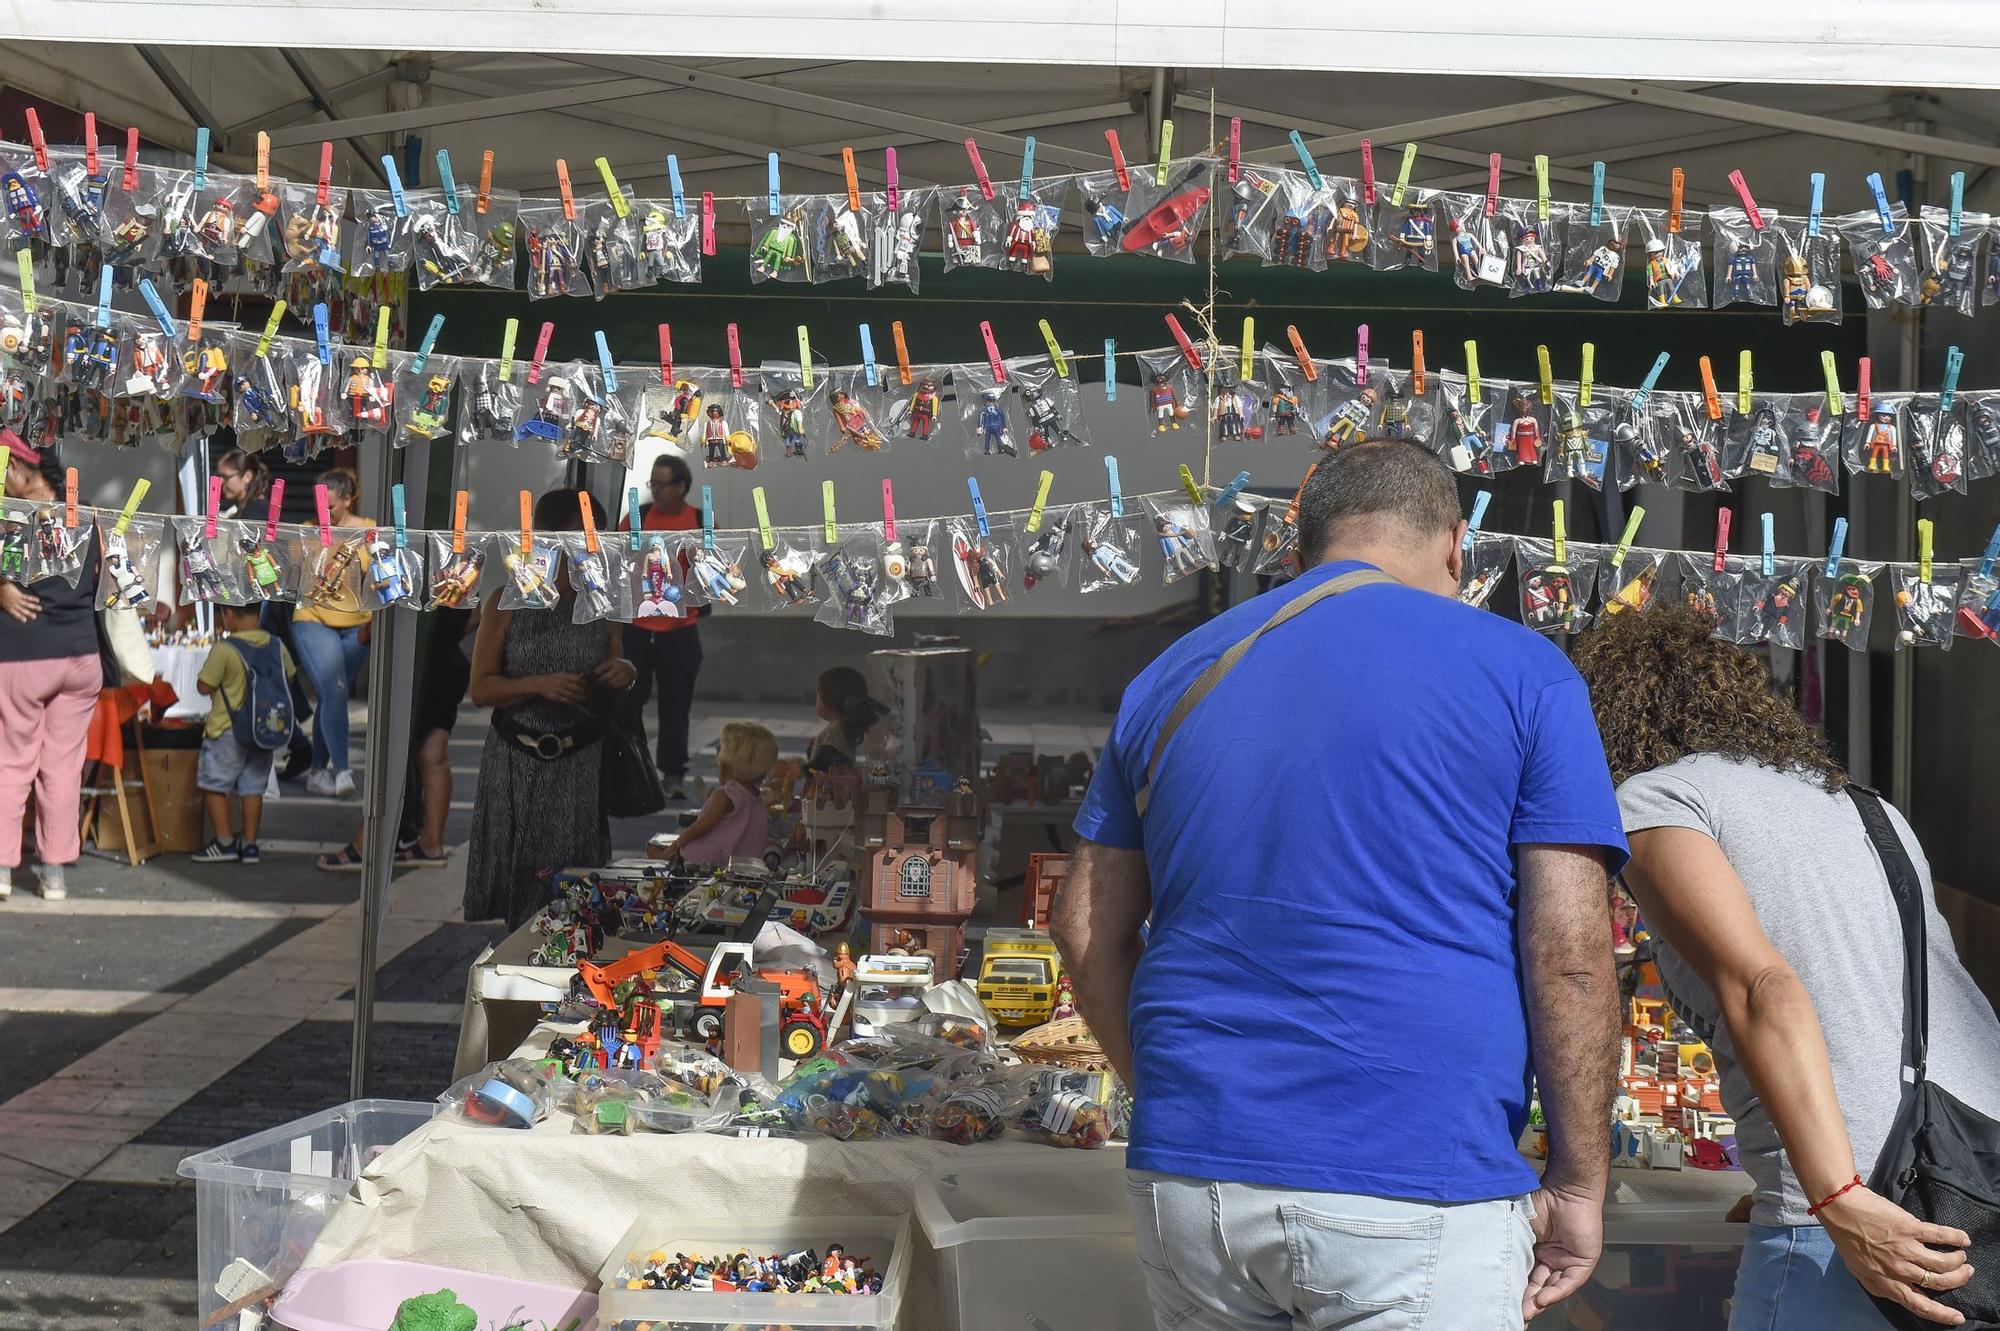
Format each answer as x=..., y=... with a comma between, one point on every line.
x=1249, y=1257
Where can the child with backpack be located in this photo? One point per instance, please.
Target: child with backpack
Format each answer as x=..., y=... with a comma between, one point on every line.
x=246, y=677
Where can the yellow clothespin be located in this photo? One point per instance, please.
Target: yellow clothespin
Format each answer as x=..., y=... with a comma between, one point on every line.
x=1625, y=541
x=1542, y=186
x=1834, y=401
x=1472, y=371
x=805, y=358
x=1548, y=387
x=763, y=519
x=1041, y=501
x=1403, y=175
x=1247, y=358
x=270, y=329
x=507, y=337
x=132, y=502
x=1055, y=349
x=1561, y=532
x=1743, y=382
x=381, y=361
x=618, y=204
x=1588, y=376
x=826, y=506
x=1166, y=151
x=1189, y=484
x=24, y=264
x=1924, y=549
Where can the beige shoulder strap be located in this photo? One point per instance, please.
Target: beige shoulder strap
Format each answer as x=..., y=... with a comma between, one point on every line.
x=1227, y=662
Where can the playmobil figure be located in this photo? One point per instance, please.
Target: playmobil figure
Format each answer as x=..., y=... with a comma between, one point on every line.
x=920, y=573
x=1531, y=260
x=1524, y=433
x=551, y=261
x=1349, y=422
x=531, y=579
x=204, y=579
x=265, y=578
x=675, y=416
x=427, y=417
x=853, y=422
x=719, y=579
x=715, y=437
x=1044, y=553
x=1044, y=418
x=1112, y=560
x=205, y=366
x=1981, y=618
x=1663, y=275
x=923, y=410
x=378, y=233
x=979, y=573
x=1775, y=608
x=1573, y=447
x=1165, y=404
x=1847, y=607
x=261, y=212
x=962, y=230
x=1468, y=254
x=385, y=568
x=1603, y=267
x=1229, y=413
x=1698, y=452
x=1740, y=277
x=1395, y=422
x=584, y=424
x=785, y=581
x=51, y=545
x=596, y=581
x=1809, y=463
x=127, y=587
x=455, y=581
x=1763, y=442
x=1926, y=613
x=1881, y=441
x=1417, y=236
x=1106, y=218
x=24, y=205
x=1644, y=450
x=330, y=581
x=1349, y=239
x=1021, y=235
x=1546, y=597
x=1284, y=412
x=993, y=426
x=551, y=414
x=658, y=594
x=791, y=409
x=1176, y=545
x=783, y=246
x=1472, y=452
x=368, y=396
x=1239, y=531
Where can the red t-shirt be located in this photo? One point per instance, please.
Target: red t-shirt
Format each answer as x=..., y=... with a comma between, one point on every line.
x=688, y=519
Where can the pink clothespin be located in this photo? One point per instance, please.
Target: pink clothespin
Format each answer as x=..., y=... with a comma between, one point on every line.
x=1749, y=204
x=979, y=168
x=214, y=506
x=541, y=352
x=1367, y=171
x=992, y=352
x=325, y=517
x=888, y=509
x=666, y=355
x=735, y=359
x=1492, y=183
x=271, y=513
x=1722, y=519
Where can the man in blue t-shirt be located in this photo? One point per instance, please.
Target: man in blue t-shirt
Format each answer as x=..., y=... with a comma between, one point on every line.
x=1373, y=855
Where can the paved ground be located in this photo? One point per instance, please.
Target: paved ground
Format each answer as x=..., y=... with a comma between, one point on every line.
x=165, y=1010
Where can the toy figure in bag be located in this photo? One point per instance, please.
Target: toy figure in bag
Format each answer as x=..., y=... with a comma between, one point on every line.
x=204, y=579
x=1165, y=404
x=923, y=410
x=1524, y=433
x=1044, y=418
x=1417, y=236
x=1698, y=452
x=1229, y=414
x=993, y=426
x=1573, y=448
x=1284, y=411
x=385, y=568
x=791, y=409
x=127, y=587
x=1775, y=609
x=1472, y=452
x=368, y=397
x=715, y=437
x=783, y=246
x=979, y=573
x=1111, y=559
x=1177, y=546
x=1605, y=261
x=962, y=231
x=1043, y=557
x=1663, y=276
x=24, y=206
x=785, y=580
x=1740, y=277
x=1881, y=455
x=720, y=580
x=265, y=579
x=1546, y=597
x=1848, y=606
x=1531, y=261
x=853, y=422
x=531, y=580
x=1349, y=422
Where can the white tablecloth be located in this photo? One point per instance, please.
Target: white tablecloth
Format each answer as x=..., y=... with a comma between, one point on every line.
x=181, y=667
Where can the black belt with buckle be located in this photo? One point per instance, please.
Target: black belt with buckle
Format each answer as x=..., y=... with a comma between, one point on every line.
x=548, y=745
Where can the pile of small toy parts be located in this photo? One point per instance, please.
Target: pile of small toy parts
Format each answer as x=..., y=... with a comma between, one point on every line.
x=801, y=1272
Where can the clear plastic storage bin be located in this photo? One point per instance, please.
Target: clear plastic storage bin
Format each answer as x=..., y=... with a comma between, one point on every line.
x=1022, y=1246
x=261, y=1200
x=883, y=1240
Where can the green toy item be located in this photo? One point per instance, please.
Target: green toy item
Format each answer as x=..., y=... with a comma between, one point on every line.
x=438, y=1311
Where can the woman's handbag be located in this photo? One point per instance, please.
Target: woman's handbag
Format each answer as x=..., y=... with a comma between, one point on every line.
x=631, y=786
x=1941, y=1162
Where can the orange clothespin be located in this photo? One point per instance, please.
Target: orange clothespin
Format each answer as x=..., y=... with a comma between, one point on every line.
x=1417, y=363
x=853, y=181
x=1299, y=353
x=325, y=195
x=562, y=187
x=1709, y=396
x=902, y=351
x=485, y=184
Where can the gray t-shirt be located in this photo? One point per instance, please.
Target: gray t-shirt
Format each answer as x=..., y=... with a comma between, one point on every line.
x=1822, y=897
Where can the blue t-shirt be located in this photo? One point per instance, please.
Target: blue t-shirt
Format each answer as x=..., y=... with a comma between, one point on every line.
x=1330, y=996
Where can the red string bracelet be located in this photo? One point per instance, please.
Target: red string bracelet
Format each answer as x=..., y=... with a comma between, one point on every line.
x=1837, y=1194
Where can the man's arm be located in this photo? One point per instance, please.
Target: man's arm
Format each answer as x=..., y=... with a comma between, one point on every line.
x=1095, y=920
x=1565, y=941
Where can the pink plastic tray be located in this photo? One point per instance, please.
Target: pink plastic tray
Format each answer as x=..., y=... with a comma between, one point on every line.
x=363, y=1296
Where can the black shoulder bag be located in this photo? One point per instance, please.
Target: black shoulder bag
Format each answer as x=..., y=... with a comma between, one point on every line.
x=1941, y=1162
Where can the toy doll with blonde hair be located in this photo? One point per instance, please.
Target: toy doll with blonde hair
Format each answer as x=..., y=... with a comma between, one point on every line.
x=732, y=822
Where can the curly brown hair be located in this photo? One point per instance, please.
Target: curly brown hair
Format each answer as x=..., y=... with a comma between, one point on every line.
x=1663, y=687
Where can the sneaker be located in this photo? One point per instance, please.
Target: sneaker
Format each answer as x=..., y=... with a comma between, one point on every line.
x=219, y=851
x=6, y=883
x=343, y=785
x=50, y=881
x=250, y=854
x=319, y=781
x=676, y=792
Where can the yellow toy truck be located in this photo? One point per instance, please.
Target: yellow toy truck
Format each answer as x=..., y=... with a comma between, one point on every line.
x=1017, y=976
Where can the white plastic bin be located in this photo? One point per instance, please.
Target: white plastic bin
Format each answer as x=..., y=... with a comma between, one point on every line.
x=261, y=1200
x=1041, y=1247
x=883, y=1240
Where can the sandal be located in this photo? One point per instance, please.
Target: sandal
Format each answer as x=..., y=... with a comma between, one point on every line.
x=345, y=860
x=413, y=857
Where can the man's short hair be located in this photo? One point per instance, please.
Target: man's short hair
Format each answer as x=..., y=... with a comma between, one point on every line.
x=1392, y=480
x=674, y=464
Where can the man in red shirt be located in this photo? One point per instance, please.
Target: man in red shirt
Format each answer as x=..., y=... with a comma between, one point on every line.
x=666, y=648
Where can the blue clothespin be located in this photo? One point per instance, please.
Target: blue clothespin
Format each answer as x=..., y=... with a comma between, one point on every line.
x=1028, y=169
x=1957, y=201
x=158, y=307
x=1111, y=478
x=1836, y=547
x=774, y=184
x=447, y=182
x=1231, y=490
x=868, y=357
x=423, y=356
x=1954, y=361
x=1645, y=389
x=632, y=520
x=1479, y=503
x=1110, y=369
x=1770, y=548
x=395, y=185
x=1992, y=553
x=707, y=517
x=200, y=158
x=1306, y=160
x=1881, y=202
x=1818, y=202
x=604, y=363
x=1596, y=193
x=321, y=335
x=104, y=297
x=674, y=182
x=399, y=510
x=978, y=506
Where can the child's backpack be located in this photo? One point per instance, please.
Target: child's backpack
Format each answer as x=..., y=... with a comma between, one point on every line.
x=264, y=721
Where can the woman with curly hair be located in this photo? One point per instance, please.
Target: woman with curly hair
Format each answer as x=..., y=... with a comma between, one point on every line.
x=1771, y=906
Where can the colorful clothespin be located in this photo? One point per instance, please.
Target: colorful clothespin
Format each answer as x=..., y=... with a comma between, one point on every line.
x=1118, y=167
x=399, y=511
x=1110, y=369
x=527, y=524
x=1835, y=403
x=482, y=199
x=325, y=507
x=979, y=169
x=1480, y=502
x=1300, y=355
x=1231, y=490
x=1597, y=193
x=1417, y=363
x=1181, y=339
x=1818, y=204
x=707, y=516
x=619, y=204
x=1986, y=561
x=447, y=183
x=508, y=333
x=1027, y=169
x=1056, y=357
x=1042, y=486
x=1646, y=385
x=1246, y=349
x=214, y=506
x=1492, y=183
x=132, y=501
x=674, y=185
x=422, y=359
x=1863, y=382
x=735, y=358
x=270, y=329
x=1541, y=187
x=1306, y=160
x=1723, y=517
x=1770, y=546
x=978, y=507
x=1957, y=202
x=764, y=532
x=197, y=308
x=322, y=337
x=69, y=495
x=1367, y=172
x=1235, y=148
x=1588, y=375
x=1472, y=388
x=902, y=352
x=1882, y=212
x=1547, y=375
x=1836, y=547
x=868, y=371
x=805, y=358
x=104, y=275
x=1743, y=382
x=830, y=529
x=772, y=183
x=888, y=510
x=1749, y=204
x=541, y=352
x=666, y=355
x=273, y=508
x=458, y=509
x=1403, y=175
x=1711, y=400
x=993, y=361
x=200, y=158
x=708, y=224
x=1954, y=361
x=396, y=198
x=604, y=365
x=1361, y=354
x=1189, y=484
x=1924, y=549
x=323, y=194
x=1111, y=480
x=159, y=308
x=1166, y=152
x=1632, y=522
x=853, y=180
x=1559, y=531
x=35, y=137
x=892, y=189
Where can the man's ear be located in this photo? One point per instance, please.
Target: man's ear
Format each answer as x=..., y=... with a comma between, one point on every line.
x=1454, y=560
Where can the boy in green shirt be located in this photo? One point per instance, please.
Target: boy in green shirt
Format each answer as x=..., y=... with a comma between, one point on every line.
x=228, y=765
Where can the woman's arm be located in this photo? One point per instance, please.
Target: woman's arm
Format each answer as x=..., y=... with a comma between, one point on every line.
x=1689, y=891
x=491, y=688
x=614, y=671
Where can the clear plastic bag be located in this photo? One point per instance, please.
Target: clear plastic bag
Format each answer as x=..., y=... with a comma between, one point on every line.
x=78, y=216
x=1808, y=272
x=1354, y=406
x=464, y=246
x=555, y=243
x=392, y=573
x=787, y=568
x=1173, y=389
x=369, y=390
x=669, y=243
x=1937, y=441
x=24, y=188
x=209, y=573
x=270, y=563
x=456, y=564
x=1753, y=444
x=35, y=544
x=1164, y=220
x=1051, y=404
x=1235, y=408
x=1874, y=443
x=964, y=221
x=1103, y=202
x=1525, y=426
x=1300, y=222
x=1746, y=259
x=318, y=406
x=1844, y=605
x=1406, y=234
x=1294, y=400
x=1594, y=254
x=781, y=242
x=127, y=571
x=1186, y=544
x=1470, y=437
x=1109, y=545
x=912, y=558
x=1479, y=244
x=330, y=572
x=848, y=407
x=1350, y=238
x=531, y=572
x=1950, y=277
x=908, y=410
x=311, y=237
x=512, y=1093
x=1771, y=607
x=671, y=413
x=1632, y=584
x=729, y=429
x=1709, y=591
x=839, y=235
x=423, y=398
x=1978, y=609
x=1811, y=442
x=174, y=195
x=1027, y=226
x=1925, y=608
x=236, y=223
x=1885, y=258
x=1982, y=433
x=1253, y=201
x=132, y=223
x=599, y=591
x=1583, y=440
x=1555, y=593
x=381, y=238
x=1237, y=527
x=204, y=362
x=980, y=561
x=1674, y=276
x=598, y=426
x=1692, y=440
x=798, y=408
x=1278, y=544
x=263, y=390
x=1484, y=565
x=1048, y=550
x=1535, y=247
x=715, y=573
x=855, y=592
x=613, y=254
x=650, y=567
x=492, y=403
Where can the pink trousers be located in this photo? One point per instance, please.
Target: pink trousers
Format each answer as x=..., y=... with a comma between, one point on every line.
x=45, y=709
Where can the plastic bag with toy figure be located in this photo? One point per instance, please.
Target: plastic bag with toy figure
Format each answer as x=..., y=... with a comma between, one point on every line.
x=1746, y=259
x=1809, y=439
x=1349, y=239
x=1471, y=438
x=1236, y=409
x=980, y=560
x=1180, y=528
x=896, y=238
x=1583, y=444
x=910, y=557
x=1708, y=591
x=128, y=570
x=1354, y=400
x=1171, y=389
x=1753, y=443
x=367, y=390
x=670, y=412
x=1485, y=564
x=1555, y=592
x=1885, y=256
x=669, y=243
x=25, y=191
x=1925, y=606
x=797, y=399
x=1978, y=609
x=1164, y=219
x=1049, y=545
x=1237, y=527
x=965, y=220
x=1406, y=234
x=1844, y=604
x=1937, y=441
x=512, y=1093
x=1480, y=244
x=600, y=593
x=1026, y=225
x=1674, y=276
x=852, y=405
x=456, y=562
x=1109, y=548
x=423, y=397
x=1535, y=246
x=392, y=572
x=613, y=253
x=715, y=571
x=1633, y=583
x=555, y=239
x=382, y=242
x=1771, y=607
x=1294, y=400
x=1691, y=440
x=1301, y=219
x=1872, y=440
x=787, y=569
x=1594, y=260
x=1950, y=276
x=855, y=593
x=310, y=239
x=838, y=234
x=1251, y=204
x=318, y=401
x=1050, y=404
x=1982, y=433
x=531, y=570
x=1808, y=271
x=271, y=560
